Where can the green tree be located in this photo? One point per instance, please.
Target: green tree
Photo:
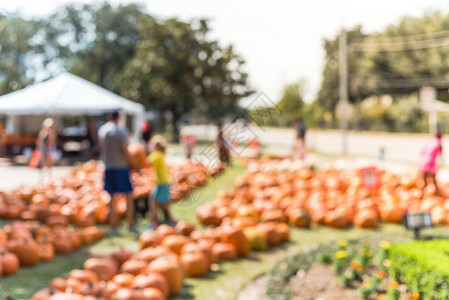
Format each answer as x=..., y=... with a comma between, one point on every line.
x=18, y=47
x=177, y=68
x=95, y=41
x=291, y=103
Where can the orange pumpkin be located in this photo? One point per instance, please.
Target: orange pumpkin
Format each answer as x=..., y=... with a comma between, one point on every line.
x=165, y=230
x=149, y=239
x=195, y=264
x=66, y=296
x=269, y=230
x=27, y=250
x=299, y=218
x=169, y=267
x=184, y=228
x=153, y=294
x=366, y=218
x=175, y=243
x=121, y=256
x=224, y=251
x=124, y=279
x=275, y=215
x=151, y=253
x=43, y=294
x=84, y=275
x=152, y=280
x=283, y=231
x=105, y=268
x=237, y=238
x=134, y=267
x=46, y=252
x=207, y=215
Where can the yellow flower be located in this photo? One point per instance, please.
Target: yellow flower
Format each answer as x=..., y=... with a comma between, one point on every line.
x=369, y=253
x=381, y=297
x=385, y=244
x=341, y=254
x=342, y=243
x=366, y=283
x=393, y=285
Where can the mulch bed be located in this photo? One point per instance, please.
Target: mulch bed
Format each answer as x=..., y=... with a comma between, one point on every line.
x=321, y=283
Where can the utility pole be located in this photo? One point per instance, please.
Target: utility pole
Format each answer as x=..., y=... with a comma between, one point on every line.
x=343, y=80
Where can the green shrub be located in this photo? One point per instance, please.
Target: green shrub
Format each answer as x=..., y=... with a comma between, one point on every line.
x=423, y=266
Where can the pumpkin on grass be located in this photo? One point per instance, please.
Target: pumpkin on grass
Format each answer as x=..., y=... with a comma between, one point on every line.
x=27, y=250
x=105, y=268
x=9, y=263
x=195, y=264
x=169, y=267
x=257, y=239
x=299, y=218
x=175, y=243
x=84, y=275
x=124, y=279
x=121, y=256
x=236, y=237
x=133, y=266
x=152, y=280
x=224, y=251
x=366, y=218
x=149, y=239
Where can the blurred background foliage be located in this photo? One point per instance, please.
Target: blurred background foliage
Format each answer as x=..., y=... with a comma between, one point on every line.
x=173, y=65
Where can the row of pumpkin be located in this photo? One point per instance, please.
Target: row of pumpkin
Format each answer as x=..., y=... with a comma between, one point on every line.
x=27, y=243
x=329, y=197
x=165, y=258
x=80, y=198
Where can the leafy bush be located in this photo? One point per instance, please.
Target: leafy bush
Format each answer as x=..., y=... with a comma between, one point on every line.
x=423, y=266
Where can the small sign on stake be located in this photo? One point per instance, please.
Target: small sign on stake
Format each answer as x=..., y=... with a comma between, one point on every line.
x=370, y=177
x=416, y=221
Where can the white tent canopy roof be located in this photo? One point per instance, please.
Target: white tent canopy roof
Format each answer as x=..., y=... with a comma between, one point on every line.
x=65, y=94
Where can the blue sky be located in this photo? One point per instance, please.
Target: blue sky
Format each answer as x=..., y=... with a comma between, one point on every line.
x=280, y=40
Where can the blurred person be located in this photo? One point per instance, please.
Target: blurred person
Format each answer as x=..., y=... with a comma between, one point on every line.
x=301, y=129
x=427, y=160
x=92, y=137
x=146, y=131
x=160, y=197
x=114, y=153
x=188, y=141
x=46, y=144
x=223, y=147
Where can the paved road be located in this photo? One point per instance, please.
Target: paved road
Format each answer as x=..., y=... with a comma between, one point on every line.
x=398, y=147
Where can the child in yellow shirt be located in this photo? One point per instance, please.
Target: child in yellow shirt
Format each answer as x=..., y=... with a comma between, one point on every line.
x=160, y=197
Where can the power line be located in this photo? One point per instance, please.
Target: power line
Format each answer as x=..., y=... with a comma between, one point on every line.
x=401, y=46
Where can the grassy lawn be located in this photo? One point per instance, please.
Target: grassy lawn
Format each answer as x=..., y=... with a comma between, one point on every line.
x=219, y=285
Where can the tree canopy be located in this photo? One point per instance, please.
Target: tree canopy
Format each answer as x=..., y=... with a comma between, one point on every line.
x=163, y=64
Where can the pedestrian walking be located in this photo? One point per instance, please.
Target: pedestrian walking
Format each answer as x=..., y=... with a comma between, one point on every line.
x=46, y=145
x=223, y=147
x=427, y=160
x=160, y=197
x=114, y=153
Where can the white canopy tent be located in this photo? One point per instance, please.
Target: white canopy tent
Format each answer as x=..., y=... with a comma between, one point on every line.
x=68, y=94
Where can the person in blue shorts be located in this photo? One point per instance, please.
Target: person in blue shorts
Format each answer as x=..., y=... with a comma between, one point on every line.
x=114, y=153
